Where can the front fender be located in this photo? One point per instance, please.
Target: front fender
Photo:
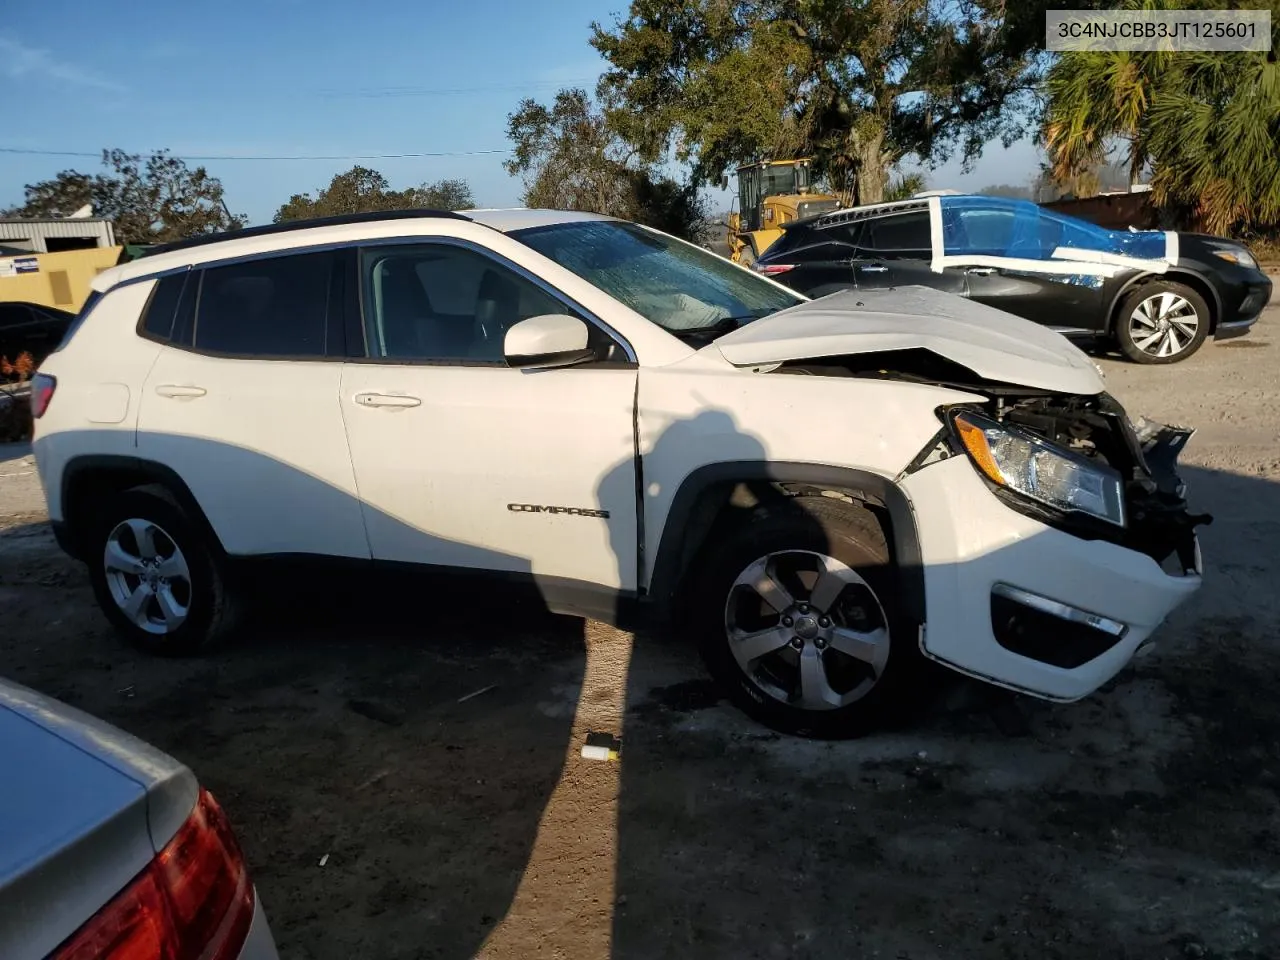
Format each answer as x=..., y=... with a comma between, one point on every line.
x=674, y=548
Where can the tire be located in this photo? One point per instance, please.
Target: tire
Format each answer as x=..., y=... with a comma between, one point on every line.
x=182, y=597
x=747, y=255
x=849, y=543
x=1162, y=322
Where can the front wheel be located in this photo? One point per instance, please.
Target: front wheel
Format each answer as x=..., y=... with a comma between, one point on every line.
x=1162, y=322
x=795, y=613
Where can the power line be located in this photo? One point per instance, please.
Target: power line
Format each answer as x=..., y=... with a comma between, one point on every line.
x=411, y=91
x=356, y=156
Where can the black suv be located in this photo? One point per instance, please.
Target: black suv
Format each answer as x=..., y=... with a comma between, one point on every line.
x=1158, y=295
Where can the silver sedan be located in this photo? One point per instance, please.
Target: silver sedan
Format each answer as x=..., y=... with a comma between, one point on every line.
x=111, y=849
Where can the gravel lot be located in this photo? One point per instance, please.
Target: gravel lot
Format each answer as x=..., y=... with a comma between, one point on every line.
x=1142, y=822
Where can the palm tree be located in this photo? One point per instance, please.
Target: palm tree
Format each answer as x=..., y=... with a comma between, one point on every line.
x=1208, y=124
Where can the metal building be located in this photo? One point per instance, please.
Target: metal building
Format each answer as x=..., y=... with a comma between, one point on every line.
x=19, y=235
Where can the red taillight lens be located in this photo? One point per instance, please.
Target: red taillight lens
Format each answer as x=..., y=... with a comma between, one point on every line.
x=42, y=387
x=771, y=268
x=194, y=900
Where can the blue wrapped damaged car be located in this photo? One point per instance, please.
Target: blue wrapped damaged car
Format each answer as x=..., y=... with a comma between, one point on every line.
x=1157, y=295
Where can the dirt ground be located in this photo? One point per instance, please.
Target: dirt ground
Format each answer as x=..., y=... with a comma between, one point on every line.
x=385, y=813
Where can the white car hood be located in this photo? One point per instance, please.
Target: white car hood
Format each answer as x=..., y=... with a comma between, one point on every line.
x=993, y=344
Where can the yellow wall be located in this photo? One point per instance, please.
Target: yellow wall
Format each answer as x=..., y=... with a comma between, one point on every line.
x=62, y=280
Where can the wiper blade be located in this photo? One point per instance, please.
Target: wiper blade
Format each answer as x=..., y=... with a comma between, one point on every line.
x=721, y=326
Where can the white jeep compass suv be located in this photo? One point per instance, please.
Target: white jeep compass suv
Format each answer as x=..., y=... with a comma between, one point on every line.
x=820, y=491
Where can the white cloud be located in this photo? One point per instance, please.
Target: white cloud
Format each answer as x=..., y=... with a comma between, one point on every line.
x=20, y=61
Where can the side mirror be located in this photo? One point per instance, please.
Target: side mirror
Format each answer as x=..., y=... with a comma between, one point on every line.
x=550, y=340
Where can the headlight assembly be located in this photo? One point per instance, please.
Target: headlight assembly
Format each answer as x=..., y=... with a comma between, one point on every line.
x=1029, y=467
x=1237, y=255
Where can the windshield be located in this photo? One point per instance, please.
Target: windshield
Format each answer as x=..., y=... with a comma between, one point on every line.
x=682, y=288
x=778, y=180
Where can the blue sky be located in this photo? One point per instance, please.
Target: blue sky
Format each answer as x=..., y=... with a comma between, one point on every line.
x=306, y=77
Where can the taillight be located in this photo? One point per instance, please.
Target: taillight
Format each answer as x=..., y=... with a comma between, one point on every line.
x=42, y=387
x=194, y=900
x=772, y=268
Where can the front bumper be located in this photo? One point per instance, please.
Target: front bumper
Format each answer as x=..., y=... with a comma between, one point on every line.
x=1243, y=303
x=972, y=544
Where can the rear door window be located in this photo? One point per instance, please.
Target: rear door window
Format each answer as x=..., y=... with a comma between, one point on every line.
x=276, y=307
x=901, y=236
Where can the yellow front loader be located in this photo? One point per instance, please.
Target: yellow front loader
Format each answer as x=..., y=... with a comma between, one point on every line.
x=771, y=193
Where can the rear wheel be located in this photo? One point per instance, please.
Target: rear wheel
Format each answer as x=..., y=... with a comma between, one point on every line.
x=1162, y=322
x=795, y=614
x=157, y=578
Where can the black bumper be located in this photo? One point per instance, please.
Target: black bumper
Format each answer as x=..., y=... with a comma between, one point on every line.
x=1242, y=302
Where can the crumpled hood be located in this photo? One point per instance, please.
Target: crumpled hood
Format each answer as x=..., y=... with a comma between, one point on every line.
x=993, y=344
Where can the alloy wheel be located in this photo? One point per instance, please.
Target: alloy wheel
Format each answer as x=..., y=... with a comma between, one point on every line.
x=807, y=629
x=1163, y=325
x=147, y=576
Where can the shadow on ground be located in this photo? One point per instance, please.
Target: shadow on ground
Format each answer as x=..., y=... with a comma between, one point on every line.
x=415, y=734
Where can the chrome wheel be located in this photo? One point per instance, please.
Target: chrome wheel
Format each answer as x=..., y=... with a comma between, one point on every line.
x=147, y=576
x=1163, y=325
x=807, y=630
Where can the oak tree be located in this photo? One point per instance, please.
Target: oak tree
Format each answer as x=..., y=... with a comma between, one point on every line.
x=149, y=199
x=857, y=84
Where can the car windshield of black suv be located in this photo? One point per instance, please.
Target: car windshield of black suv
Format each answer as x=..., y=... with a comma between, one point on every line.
x=684, y=289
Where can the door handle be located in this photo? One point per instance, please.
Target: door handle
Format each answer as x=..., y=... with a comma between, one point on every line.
x=981, y=271
x=398, y=400
x=874, y=268
x=177, y=391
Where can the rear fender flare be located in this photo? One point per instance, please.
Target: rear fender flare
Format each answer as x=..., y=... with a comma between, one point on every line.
x=126, y=473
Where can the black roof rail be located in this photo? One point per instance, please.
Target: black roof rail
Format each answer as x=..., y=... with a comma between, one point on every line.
x=288, y=226
x=834, y=218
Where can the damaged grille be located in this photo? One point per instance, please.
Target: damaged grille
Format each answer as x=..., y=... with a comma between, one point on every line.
x=1145, y=454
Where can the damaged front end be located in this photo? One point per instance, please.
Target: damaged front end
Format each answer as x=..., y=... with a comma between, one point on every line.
x=1126, y=486
x=1105, y=477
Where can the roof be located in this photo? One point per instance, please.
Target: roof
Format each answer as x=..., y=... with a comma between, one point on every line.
x=514, y=218
x=289, y=226
x=346, y=229
x=519, y=218
x=849, y=214
x=54, y=220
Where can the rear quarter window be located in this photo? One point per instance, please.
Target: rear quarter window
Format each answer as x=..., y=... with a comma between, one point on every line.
x=158, y=315
x=815, y=242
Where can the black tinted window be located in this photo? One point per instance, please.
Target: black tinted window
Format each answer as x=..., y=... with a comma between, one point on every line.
x=905, y=233
x=846, y=234
x=11, y=314
x=157, y=318
x=815, y=242
x=442, y=302
x=265, y=308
